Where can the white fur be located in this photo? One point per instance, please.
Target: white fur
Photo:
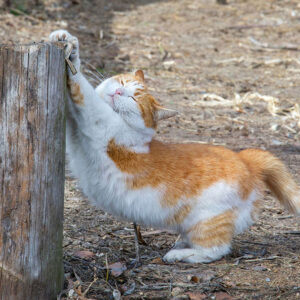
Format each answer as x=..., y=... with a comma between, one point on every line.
x=199, y=255
x=91, y=126
x=215, y=200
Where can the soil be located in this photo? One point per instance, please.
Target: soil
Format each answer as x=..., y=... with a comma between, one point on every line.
x=232, y=72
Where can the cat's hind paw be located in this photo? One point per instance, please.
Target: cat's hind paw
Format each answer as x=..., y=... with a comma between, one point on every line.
x=191, y=255
x=178, y=255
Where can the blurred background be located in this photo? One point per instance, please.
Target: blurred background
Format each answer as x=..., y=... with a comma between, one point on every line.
x=231, y=68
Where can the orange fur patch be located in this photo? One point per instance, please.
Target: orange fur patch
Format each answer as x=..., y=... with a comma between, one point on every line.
x=255, y=209
x=75, y=92
x=183, y=170
x=268, y=169
x=147, y=105
x=180, y=215
x=216, y=231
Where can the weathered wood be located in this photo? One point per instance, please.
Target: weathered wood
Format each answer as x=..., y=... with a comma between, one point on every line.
x=32, y=126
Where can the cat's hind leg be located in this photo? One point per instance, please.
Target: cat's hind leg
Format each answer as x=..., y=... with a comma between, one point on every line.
x=209, y=240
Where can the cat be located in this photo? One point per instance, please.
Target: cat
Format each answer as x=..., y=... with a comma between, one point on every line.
x=206, y=193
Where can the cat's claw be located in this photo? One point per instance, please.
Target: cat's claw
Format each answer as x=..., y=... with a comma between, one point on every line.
x=64, y=36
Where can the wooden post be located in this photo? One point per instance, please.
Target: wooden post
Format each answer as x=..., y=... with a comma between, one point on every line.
x=32, y=147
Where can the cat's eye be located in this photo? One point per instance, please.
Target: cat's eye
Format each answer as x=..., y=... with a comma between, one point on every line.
x=133, y=98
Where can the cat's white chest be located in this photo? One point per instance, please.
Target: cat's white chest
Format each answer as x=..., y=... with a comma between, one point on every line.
x=105, y=185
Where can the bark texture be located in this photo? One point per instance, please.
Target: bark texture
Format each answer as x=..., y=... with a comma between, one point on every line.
x=32, y=146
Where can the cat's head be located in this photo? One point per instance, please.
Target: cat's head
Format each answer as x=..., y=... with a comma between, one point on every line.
x=128, y=95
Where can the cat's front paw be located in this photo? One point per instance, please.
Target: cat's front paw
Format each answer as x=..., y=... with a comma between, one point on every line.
x=65, y=36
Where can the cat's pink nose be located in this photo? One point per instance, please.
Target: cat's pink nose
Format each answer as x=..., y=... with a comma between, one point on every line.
x=119, y=91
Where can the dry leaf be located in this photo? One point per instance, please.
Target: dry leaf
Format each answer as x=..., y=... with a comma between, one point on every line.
x=157, y=261
x=85, y=254
x=195, y=279
x=203, y=277
x=139, y=236
x=196, y=296
x=117, y=269
x=223, y=296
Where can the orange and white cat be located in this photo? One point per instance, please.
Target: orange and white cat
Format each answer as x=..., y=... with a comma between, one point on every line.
x=206, y=193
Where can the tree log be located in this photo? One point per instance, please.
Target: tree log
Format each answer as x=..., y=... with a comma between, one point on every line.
x=32, y=157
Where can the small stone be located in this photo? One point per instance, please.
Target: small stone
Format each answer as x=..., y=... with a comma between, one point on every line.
x=71, y=293
x=275, y=127
x=116, y=295
x=168, y=64
x=260, y=268
x=176, y=291
x=276, y=143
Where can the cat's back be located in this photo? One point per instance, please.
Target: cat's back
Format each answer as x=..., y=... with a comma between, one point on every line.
x=194, y=154
x=188, y=168
x=180, y=156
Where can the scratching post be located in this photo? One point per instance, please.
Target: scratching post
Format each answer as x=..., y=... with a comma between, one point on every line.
x=32, y=146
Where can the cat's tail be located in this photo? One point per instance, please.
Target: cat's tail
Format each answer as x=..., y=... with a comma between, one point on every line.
x=269, y=169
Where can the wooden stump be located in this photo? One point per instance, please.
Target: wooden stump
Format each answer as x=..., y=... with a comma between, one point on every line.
x=32, y=147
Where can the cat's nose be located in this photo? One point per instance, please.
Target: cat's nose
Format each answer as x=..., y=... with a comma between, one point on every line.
x=119, y=91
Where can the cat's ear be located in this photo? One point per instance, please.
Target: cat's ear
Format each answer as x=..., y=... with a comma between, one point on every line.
x=162, y=113
x=140, y=74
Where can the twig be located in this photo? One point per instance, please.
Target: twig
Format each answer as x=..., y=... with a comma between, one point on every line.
x=68, y=51
x=277, y=47
x=77, y=277
x=136, y=241
x=101, y=76
x=87, y=289
x=21, y=13
x=148, y=233
x=263, y=258
x=95, y=279
x=165, y=286
x=292, y=232
x=107, y=268
x=285, y=217
x=256, y=243
x=139, y=236
x=284, y=295
x=241, y=27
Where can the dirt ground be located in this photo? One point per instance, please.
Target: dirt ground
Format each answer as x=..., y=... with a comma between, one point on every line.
x=232, y=71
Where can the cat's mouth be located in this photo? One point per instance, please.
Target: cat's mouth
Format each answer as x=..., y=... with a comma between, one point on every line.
x=112, y=102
